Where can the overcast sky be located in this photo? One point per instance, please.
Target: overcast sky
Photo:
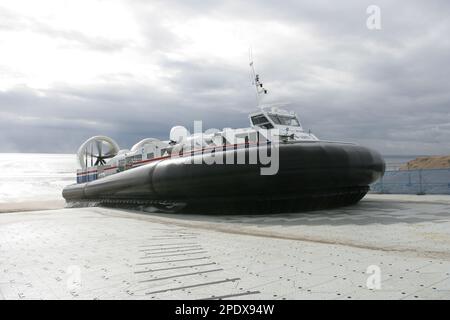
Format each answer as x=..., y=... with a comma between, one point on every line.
x=133, y=69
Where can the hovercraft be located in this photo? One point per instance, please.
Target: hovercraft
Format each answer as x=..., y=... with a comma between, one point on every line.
x=272, y=166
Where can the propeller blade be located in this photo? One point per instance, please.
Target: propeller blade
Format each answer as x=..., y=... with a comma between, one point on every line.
x=92, y=159
x=99, y=147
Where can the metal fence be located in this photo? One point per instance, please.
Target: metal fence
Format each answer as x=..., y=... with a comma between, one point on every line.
x=422, y=181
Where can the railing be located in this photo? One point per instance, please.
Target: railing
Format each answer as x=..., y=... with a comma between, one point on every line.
x=417, y=181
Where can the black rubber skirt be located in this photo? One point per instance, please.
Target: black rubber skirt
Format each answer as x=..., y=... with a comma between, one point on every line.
x=309, y=176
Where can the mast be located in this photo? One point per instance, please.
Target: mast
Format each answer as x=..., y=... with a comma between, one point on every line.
x=260, y=90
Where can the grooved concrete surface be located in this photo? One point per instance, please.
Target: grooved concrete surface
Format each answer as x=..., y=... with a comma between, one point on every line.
x=99, y=253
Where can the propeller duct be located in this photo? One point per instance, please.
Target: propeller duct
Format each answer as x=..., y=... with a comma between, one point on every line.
x=96, y=150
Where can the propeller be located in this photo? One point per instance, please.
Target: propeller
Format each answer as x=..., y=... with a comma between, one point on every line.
x=96, y=150
x=98, y=154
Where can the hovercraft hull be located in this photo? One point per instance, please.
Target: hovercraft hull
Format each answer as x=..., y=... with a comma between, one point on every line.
x=311, y=175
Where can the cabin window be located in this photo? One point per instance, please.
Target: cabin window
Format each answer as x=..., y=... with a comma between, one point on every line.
x=284, y=120
x=259, y=119
x=150, y=155
x=262, y=122
x=121, y=165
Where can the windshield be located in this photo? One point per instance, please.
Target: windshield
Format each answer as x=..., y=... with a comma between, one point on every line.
x=261, y=121
x=284, y=120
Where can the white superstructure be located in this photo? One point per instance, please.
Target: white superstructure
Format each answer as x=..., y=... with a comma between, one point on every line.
x=100, y=156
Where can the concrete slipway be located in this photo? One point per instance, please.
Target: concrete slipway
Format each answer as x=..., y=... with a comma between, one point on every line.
x=100, y=253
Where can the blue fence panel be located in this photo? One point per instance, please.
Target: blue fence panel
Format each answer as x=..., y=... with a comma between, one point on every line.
x=425, y=181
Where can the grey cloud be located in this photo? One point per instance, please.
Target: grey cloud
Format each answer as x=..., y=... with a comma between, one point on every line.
x=64, y=117
x=12, y=21
x=79, y=38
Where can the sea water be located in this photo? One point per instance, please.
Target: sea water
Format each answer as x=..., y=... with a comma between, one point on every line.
x=32, y=176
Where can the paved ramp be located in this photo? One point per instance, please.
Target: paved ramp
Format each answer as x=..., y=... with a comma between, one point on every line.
x=99, y=253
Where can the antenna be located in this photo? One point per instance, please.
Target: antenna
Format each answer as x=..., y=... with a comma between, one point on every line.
x=256, y=80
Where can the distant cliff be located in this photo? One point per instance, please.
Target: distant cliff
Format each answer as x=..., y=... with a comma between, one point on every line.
x=428, y=162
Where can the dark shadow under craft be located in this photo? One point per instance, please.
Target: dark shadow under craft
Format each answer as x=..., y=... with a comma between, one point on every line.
x=192, y=173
